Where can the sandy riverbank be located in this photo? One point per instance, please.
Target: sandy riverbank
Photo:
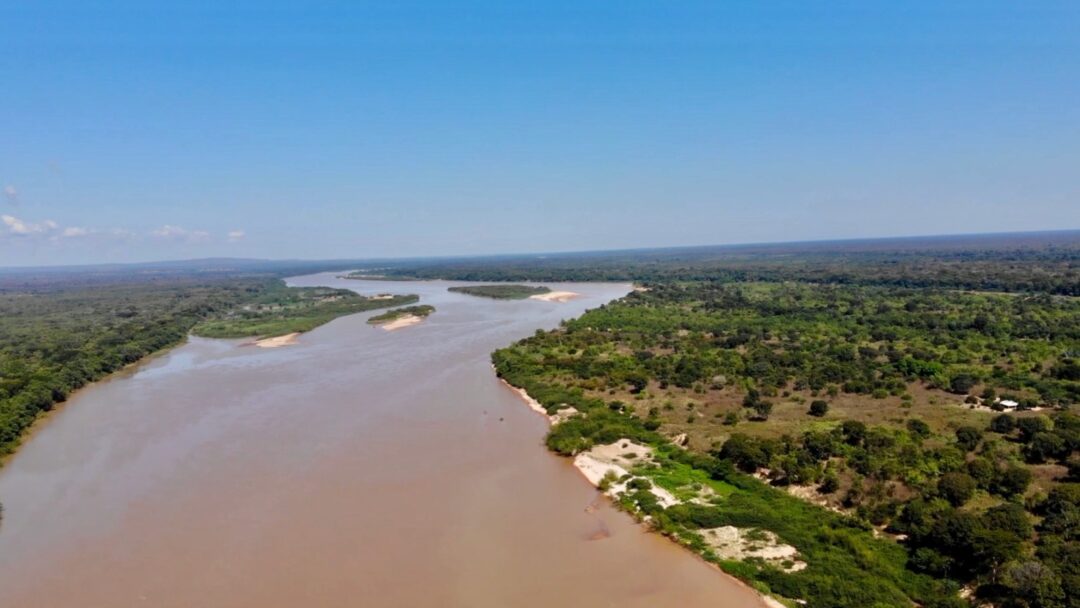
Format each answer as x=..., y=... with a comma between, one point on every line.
x=555, y=296
x=596, y=464
x=400, y=322
x=278, y=341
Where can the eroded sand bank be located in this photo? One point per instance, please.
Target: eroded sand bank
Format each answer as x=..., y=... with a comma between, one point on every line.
x=400, y=322
x=278, y=341
x=556, y=296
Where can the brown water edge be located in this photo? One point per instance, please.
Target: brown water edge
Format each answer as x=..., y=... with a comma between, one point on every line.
x=355, y=468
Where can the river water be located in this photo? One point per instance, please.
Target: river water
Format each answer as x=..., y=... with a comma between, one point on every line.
x=356, y=468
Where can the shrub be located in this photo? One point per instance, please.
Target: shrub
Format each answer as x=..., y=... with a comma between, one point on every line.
x=818, y=408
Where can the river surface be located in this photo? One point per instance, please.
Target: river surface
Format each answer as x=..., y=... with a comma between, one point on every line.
x=356, y=468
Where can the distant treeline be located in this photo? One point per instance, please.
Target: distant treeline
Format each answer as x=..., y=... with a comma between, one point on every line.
x=1010, y=263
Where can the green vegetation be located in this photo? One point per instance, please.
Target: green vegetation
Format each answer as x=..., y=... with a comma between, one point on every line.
x=501, y=292
x=56, y=340
x=873, y=400
x=1022, y=262
x=59, y=335
x=364, y=275
x=282, y=310
x=391, y=315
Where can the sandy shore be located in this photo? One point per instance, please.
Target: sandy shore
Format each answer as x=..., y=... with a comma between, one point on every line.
x=402, y=321
x=278, y=341
x=555, y=296
x=596, y=463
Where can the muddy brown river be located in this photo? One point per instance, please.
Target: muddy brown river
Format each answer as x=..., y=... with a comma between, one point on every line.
x=356, y=468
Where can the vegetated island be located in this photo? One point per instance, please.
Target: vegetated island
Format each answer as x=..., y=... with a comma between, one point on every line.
x=402, y=317
x=366, y=275
x=501, y=292
x=281, y=313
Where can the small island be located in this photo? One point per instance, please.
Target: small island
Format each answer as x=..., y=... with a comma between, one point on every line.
x=366, y=275
x=279, y=314
x=501, y=292
x=402, y=317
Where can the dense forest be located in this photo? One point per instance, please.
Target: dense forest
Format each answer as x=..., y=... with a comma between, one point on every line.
x=914, y=443
x=500, y=291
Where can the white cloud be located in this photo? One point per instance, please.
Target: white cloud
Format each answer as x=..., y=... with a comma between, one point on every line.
x=11, y=194
x=75, y=231
x=177, y=233
x=236, y=235
x=17, y=227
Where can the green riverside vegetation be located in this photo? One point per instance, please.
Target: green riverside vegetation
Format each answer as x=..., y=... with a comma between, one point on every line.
x=909, y=441
x=501, y=291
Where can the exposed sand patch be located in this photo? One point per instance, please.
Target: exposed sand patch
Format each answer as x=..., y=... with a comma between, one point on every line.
x=562, y=414
x=402, y=321
x=278, y=341
x=616, y=460
x=811, y=495
x=555, y=296
x=382, y=296
x=734, y=543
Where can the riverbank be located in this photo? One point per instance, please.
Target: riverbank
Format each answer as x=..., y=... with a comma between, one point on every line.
x=607, y=468
x=277, y=341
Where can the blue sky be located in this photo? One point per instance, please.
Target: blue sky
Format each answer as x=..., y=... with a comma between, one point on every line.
x=339, y=129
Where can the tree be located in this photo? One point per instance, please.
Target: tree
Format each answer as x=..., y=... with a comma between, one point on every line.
x=1013, y=481
x=747, y=454
x=961, y=384
x=1030, y=426
x=1010, y=517
x=968, y=437
x=1003, y=423
x=853, y=431
x=956, y=487
x=819, y=408
x=918, y=428
x=762, y=409
x=1035, y=583
x=1046, y=446
x=982, y=470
